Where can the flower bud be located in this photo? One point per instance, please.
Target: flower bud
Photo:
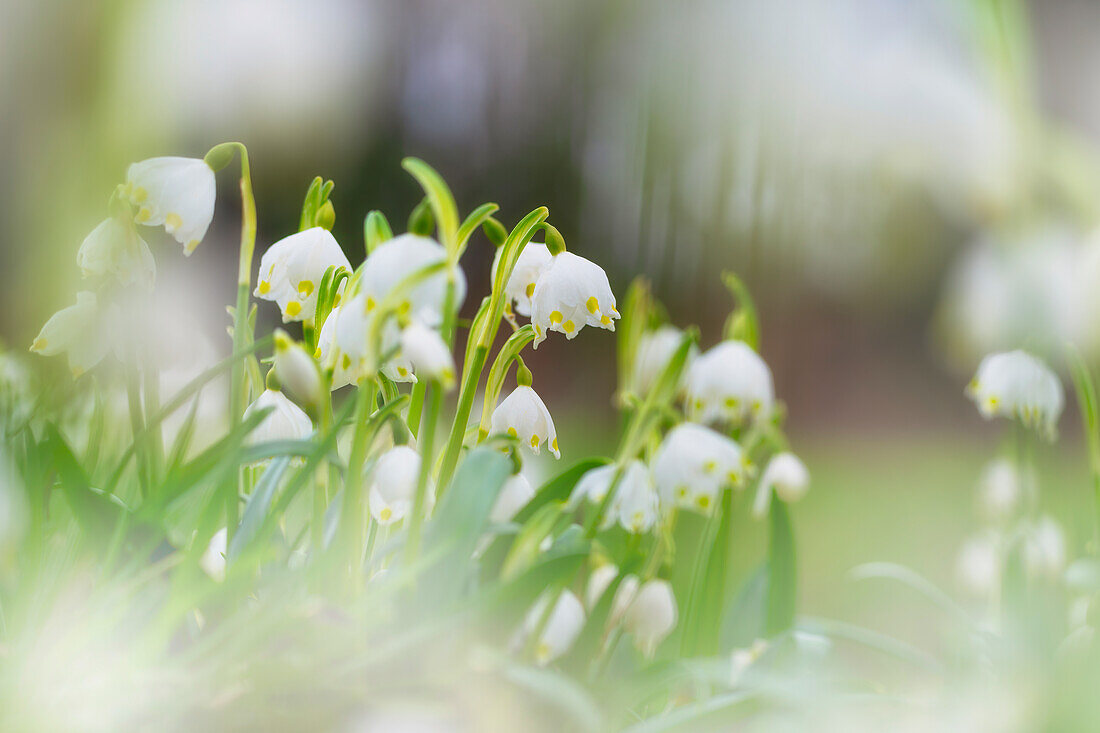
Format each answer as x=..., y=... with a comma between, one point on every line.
x=297, y=372
x=651, y=616
x=561, y=629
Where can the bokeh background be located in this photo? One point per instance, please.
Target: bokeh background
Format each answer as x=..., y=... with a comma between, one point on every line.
x=904, y=185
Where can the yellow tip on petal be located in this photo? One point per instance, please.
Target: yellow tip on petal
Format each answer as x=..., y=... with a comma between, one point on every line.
x=190, y=247
x=554, y=444
x=385, y=514
x=346, y=362
x=402, y=371
x=556, y=316
x=592, y=304
x=512, y=432
x=143, y=215
x=293, y=308
x=305, y=287
x=264, y=287
x=703, y=501
x=534, y=441
x=39, y=344
x=530, y=289
x=569, y=327
x=605, y=320
x=77, y=372
x=137, y=195
x=370, y=303
x=172, y=222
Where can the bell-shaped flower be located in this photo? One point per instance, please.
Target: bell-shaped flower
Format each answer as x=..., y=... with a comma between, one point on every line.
x=286, y=421
x=730, y=383
x=78, y=331
x=523, y=415
x=176, y=192
x=655, y=349
x=532, y=262
x=393, y=486
x=351, y=329
x=428, y=353
x=978, y=567
x=399, y=258
x=345, y=369
x=598, y=582
x=787, y=475
x=212, y=561
x=1015, y=384
x=694, y=463
x=572, y=293
x=114, y=248
x=651, y=615
x=1000, y=490
x=1045, y=548
x=292, y=268
x=635, y=505
x=297, y=371
x=515, y=493
x=561, y=629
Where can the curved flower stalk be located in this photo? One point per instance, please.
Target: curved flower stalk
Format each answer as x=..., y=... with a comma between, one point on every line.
x=1017, y=385
x=731, y=384
x=176, y=192
x=292, y=269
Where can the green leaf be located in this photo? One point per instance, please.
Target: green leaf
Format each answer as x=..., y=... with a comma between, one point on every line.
x=95, y=512
x=476, y=218
x=782, y=570
x=376, y=230
x=915, y=582
x=745, y=620
x=440, y=198
x=258, y=508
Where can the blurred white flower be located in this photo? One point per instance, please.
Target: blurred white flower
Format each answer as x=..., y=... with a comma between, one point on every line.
x=532, y=262
x=1015, y=384
x=978, y=568
x=393, y=485
x=428, y=353
x=212, y=561
x=292, y=268
x=297, y=371
x=785, y=473
x=1045, y=548
x=78, y=331
x=655, y=349
x=694, y=463
x=742, y=659
x=176, y=192
x=115, y=248
x=635, y=505
x=598, y=581
x=651, y=615
x=999, y=490
x=729, y=383
x=396, y=260
x=523, y=415
x=570, y=294
x=514, y=495
x=286, y=421
x=562, y=628
x=345, y=370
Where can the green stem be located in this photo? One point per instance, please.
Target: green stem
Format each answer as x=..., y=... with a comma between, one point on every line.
x=137, y=427
x=426, y=445
x=352, y=517
x=154, y=437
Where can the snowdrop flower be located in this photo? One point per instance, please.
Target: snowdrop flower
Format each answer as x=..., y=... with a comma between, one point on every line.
x=624, y=597
x=729, y=383
x=999, y=490
x=598, y=582
x=655, y=349
x=286, y=421
x=561, y=629
x=978, y=568
x=532, y=262
x=742, y=659
x=428, y=353
x=694, y=463
x=115, y=248
x=1015, y=384
x=212, y=561
x=296, y=371
x=572, y=293
x=77, y=331
x=351, y=326
x=1045, y=548
x=651, y=616
x=292, y=268
x=397, y=259
x=345, y=370
x=787, y=475
x=523, y=415
x=515, y=494
x=176, y=192
x=393, y=487
x=635, y=504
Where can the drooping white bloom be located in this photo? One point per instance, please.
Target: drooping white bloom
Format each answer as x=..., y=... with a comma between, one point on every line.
x=115, y=248
x=523, y=415
x=532, y=262
x=297, y=371
x=345, y=370
x=655, y=349
x=652, y=615
x=286, y=421
x=1015, y=384
x=352, y=324
x=429, y=354
x=76, y=330
x=1045, y=548
x=787, y=475
x=399, y=258
x=562, y=627
x=624, y=596
x=393, y=486
x=999, y=489
x=730, y=383
x=635, y=505
x=572, y=293
x=292, y=268
x=978, y=568
x=176, y=192
x=598, y=582
x=212, y=561
x=694, y=463
x=514, y=495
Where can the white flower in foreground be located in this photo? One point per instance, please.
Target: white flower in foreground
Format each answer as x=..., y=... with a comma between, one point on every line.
x=286, y=421
x=176, y=192
x=598, y=582
x=785, y=473
x=562, y=627
x=572, y=293
x=393, y=486
x=655, y=349
x=999, y=489
x=523, y=415
x=351, y=330
x=730, y=383
x=1045, y=548
x=428, y=353
x=292, y=268
x=212, y=561
x=532, y=262
x=978, y=568
x=76, y=330
x=297, y=371
x=396, y=260
x=1015, y=384
x=652, y=615
x=115, y=248
x=694, y=463
x=345, y=370
x=635, y=505
x=515, y=494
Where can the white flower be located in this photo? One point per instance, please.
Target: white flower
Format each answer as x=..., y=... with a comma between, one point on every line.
x=1045, y=548
x=651, y=616
x=635, y=504
x=212, y=561
x=297, y=371
x=514, y=495
x=393, y=486
x=572, y=293
x=978, y=568
x=598, y=582
x=397, y=259
x=742, y=659
x=532, y=262
x=523, y=415
x=624, y=596
x=176, y=192
x=429, y=354
x=115, y=248
x=730, y=383
x=999, y=490
x=286, y=421
x=351, y=326
x=785, y=473
x=561, y=629
x=694, y=463
x=345, y=370
x=292, y=268
x=76, y=330
x=655, y=349
x=1015, y=384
